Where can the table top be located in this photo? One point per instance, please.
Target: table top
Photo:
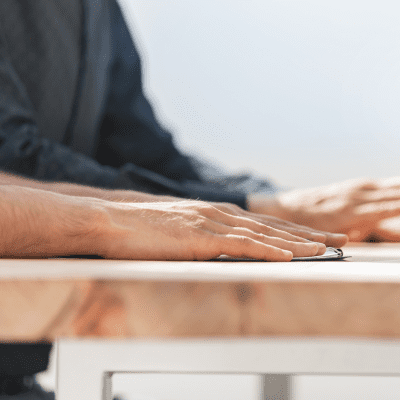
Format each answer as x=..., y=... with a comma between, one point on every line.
x=368, y=263
x=358, y=297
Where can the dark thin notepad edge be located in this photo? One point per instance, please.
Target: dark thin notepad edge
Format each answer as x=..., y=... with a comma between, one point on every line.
x=294, y=259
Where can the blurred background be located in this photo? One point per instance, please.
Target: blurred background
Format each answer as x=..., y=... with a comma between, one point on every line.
x=305, y=92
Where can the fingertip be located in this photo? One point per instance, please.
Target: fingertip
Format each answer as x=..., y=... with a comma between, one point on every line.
x=313, y=248
x=345, y=240
x=337, y=240
x=321, y=249
x=287, y=255
x=341, y=238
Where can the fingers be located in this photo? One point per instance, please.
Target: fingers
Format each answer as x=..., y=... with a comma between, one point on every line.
x=310, y=234
x=255, y=226
x=336, y=240
x=198, y=231
x=379, y=210
x=359, y=234
x=367, y=185
x=389, y=194
x=228, y=225
x=393, y=182
x=388, y=230
x=298, y=249
x=245, y=247
x=302, y=231
x=292, y=229
x=359, y=184
x=289, y=227
x=329, y=239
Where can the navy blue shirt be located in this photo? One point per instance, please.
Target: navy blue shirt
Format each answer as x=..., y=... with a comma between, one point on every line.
x=110, y=137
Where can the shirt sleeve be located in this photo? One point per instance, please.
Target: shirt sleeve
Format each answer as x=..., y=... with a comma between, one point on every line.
x=132, y=138
x=245, y=182
x=23, y=151
x=130, y=132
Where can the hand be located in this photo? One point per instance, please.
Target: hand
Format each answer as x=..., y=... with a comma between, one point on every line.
x=353, y=207
x=194, y=230
x=37, y=223
x=127, y=196
x=329, y=239
x=388, y=230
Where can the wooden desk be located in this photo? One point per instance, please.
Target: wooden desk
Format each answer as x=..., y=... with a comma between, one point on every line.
x=264, y=318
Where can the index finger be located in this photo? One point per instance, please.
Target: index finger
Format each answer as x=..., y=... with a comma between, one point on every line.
x=306, y=232
x=378, y=211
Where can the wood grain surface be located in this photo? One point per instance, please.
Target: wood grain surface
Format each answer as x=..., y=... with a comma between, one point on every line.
x=37, y=309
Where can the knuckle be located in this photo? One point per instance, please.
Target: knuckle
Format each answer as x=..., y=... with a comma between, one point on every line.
x=243, y=241
x=267, y=230
x=198, y=204
x=232, y=207
x=205, y=209
x=299, y=245
x=200, y=222
x=241, y=231
x=259, y=236
x=224, y=206
x=365, y=184
x=192, y=215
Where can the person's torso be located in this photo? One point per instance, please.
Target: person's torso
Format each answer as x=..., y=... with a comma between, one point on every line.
x=60, y=50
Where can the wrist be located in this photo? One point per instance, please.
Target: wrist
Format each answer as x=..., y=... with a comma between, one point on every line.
x=86, y=225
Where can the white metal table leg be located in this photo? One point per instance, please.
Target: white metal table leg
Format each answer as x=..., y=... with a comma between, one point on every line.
x=82, y=365
x=79, y=375
x=107, y=386
x=276, y=387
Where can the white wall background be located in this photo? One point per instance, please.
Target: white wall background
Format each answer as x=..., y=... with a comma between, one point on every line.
x=307, y=92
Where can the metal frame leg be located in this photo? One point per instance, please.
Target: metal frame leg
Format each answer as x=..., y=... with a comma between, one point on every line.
x=81, y=365
x=276, y=387
x=107, y=386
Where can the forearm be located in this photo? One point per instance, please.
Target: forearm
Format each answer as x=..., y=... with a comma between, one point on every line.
x=35, y=223
x=72, y=189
